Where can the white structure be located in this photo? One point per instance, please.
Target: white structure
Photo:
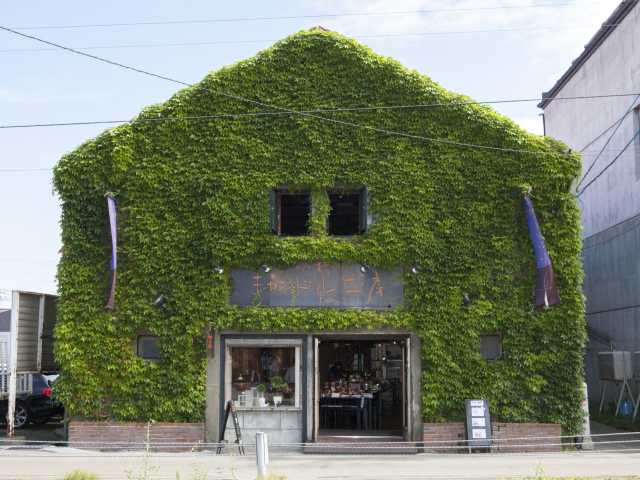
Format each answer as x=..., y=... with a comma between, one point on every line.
x=607, y=132
x=28, y=347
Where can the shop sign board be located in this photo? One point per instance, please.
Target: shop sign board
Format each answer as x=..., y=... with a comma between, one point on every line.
x=320, y=284
x=478, y=425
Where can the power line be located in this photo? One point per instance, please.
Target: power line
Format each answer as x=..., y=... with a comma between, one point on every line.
x=617, y=126
x=635, y=135
x=361, y=36
x=299, y=17
x=275, y=107
x=368, y=108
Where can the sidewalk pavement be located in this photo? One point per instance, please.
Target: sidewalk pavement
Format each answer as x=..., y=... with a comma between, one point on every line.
x=55, y=462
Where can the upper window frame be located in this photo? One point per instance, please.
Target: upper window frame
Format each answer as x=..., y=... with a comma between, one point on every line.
x=275, y=209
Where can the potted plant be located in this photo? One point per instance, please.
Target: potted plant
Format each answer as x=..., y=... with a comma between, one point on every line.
x=279, y=386
x=260, y=400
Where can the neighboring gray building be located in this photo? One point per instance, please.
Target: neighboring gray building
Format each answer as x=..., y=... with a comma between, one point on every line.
x=609, y=192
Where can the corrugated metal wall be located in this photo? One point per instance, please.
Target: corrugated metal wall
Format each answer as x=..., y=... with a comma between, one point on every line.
x=27, y=341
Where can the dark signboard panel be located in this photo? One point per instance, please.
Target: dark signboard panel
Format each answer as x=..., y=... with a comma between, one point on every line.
x=318, y=285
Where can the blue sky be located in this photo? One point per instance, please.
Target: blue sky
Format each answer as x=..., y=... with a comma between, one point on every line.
x=56, y=86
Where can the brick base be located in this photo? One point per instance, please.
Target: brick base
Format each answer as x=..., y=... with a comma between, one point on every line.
x=507, y=437
x=132, y=435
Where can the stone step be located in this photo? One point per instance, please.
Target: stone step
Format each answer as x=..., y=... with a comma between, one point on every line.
x=354, y=445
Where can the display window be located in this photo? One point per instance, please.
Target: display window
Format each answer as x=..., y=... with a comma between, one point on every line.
x=261, y=376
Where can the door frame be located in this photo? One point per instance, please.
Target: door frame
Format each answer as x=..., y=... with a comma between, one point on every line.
x=411, y=408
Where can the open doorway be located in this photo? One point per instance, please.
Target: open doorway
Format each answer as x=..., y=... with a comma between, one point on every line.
x=361, y=386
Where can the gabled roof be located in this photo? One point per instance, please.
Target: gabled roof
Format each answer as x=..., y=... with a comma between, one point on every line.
x=619, y=14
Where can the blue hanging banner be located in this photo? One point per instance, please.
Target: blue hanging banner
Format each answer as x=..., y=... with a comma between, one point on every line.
x=113, y=227
x=546, y=291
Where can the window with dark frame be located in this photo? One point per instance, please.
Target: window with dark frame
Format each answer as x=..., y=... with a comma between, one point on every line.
x=348, y=215
x=491, y=346
x=290, y=212
x=147, y=347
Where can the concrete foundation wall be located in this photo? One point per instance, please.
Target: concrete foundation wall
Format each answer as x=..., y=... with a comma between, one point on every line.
x=280, y=424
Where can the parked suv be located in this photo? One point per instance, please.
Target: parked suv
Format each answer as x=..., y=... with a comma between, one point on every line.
x=37, y=407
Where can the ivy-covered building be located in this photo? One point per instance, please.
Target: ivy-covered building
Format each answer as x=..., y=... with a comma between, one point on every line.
x=290, y=239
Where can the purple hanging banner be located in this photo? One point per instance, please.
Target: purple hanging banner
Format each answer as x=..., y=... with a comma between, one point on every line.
x=113, y=227
x=546, y=292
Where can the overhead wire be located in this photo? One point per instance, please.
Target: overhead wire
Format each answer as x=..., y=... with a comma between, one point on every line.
x=302, y=17
x=618, y=123
x=611, y=163
x=252, y=41
x=368, y=108
x=275, y=107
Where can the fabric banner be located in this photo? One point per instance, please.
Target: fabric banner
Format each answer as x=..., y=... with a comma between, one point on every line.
x=546, y=291
x=113, y=227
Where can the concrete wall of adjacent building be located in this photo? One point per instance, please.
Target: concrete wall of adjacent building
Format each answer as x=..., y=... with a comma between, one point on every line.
x=612, y=69
x=611, y=205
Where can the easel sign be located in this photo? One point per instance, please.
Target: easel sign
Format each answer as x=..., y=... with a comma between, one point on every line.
x=231, y=410
x=478, y=424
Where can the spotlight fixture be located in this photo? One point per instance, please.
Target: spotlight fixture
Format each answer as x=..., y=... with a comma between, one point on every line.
x=415, y=269
x=265, y=268
x=364, y=268
x=219, y=270
x=160, y=301
x=465, y=299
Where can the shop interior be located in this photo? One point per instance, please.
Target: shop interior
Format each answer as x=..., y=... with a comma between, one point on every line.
x=361, y=387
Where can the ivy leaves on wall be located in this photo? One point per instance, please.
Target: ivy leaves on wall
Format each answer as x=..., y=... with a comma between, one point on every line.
x=194, y=194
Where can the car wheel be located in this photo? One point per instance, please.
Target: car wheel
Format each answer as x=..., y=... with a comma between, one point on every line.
x=21, y=416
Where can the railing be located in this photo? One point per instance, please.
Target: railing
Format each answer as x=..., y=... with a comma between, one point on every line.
x=24, y=383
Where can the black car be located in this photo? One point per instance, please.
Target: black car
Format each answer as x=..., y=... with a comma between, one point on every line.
x=37, y=407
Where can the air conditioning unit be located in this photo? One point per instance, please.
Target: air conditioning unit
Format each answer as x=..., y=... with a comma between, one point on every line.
x=615, y=365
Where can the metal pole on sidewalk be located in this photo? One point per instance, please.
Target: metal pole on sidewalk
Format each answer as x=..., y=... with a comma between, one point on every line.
x=587, y=442
x=262, y=454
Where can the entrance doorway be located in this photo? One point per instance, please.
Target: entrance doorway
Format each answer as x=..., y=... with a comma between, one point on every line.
x=361, y=387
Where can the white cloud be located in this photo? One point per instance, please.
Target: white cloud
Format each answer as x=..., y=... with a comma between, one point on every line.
x=557, y=33
x=532, y=124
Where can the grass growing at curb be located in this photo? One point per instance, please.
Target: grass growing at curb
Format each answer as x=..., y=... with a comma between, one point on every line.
x=80, y=475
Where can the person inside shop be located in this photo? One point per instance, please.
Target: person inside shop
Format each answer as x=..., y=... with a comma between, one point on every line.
x=336, y=372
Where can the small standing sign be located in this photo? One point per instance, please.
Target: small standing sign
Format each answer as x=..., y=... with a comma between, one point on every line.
x=231, y=410
x=478, y=424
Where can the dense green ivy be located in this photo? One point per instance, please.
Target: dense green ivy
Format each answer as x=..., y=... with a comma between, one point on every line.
x=194, y=194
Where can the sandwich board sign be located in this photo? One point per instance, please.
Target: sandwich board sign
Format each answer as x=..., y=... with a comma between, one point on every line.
x=478, y=424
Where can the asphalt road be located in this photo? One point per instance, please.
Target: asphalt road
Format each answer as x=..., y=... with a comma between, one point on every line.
x=55, y=462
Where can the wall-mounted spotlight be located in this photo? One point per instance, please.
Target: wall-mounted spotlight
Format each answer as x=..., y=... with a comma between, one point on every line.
x=465, y=299
x=218, y=270
x=160, y=301
x=416, y=269
x=265, y=268
x=364, y=268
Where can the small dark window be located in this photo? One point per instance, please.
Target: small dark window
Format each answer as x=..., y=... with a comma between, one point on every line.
x=348, y=214
x=290, y=213
x=148, y=347
x=491, y=346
